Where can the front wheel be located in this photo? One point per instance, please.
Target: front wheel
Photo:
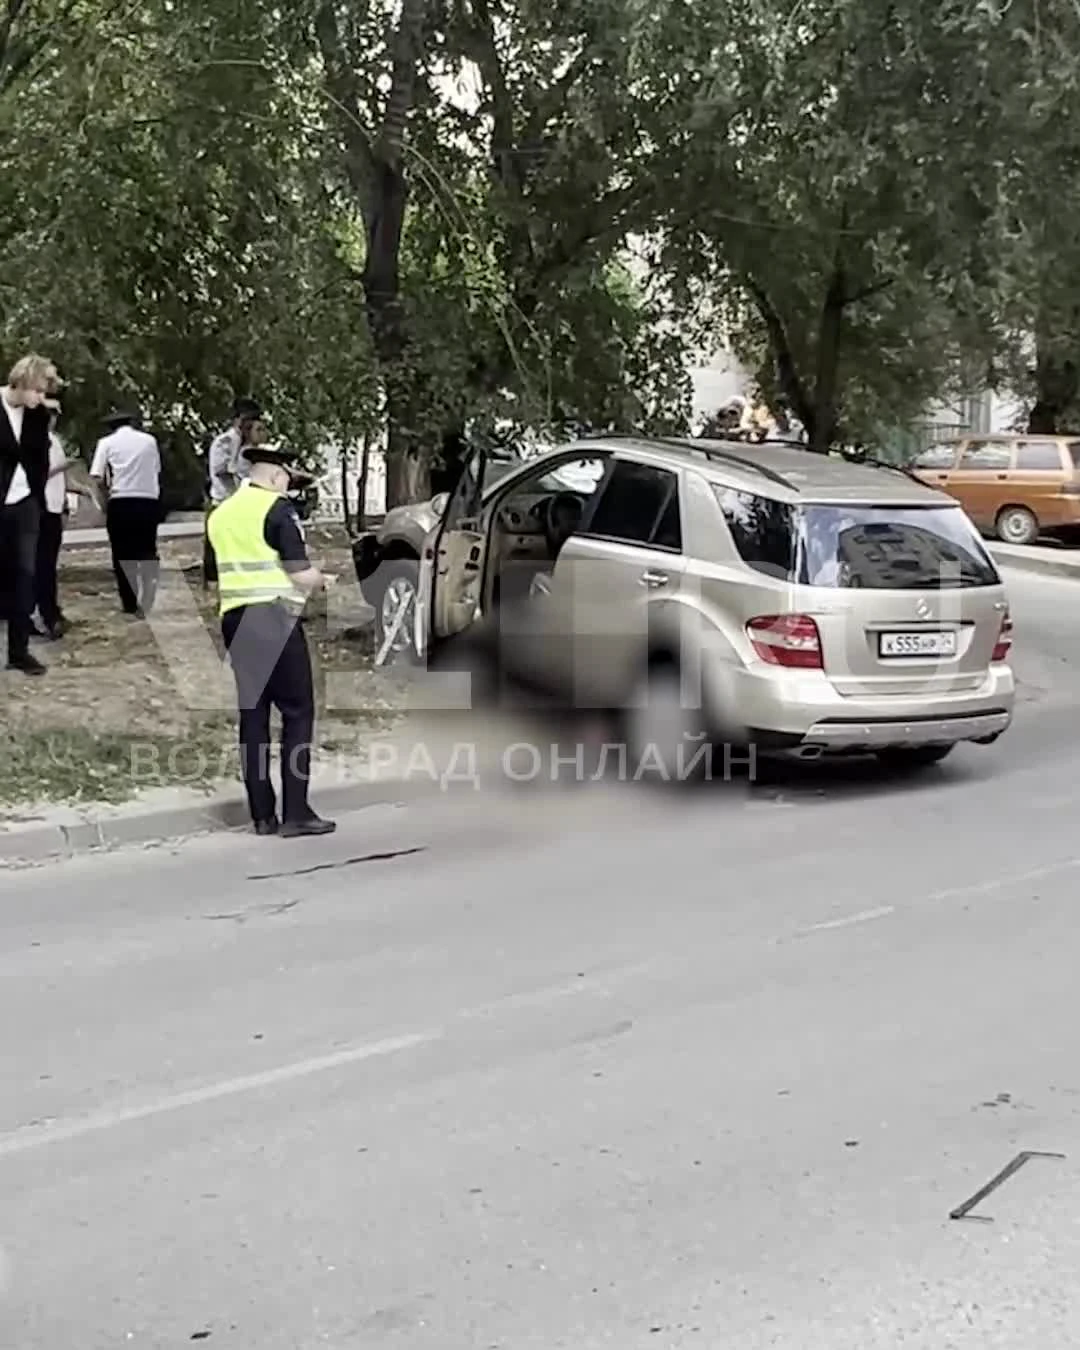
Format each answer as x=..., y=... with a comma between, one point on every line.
x=908, y=757
x=392, y=592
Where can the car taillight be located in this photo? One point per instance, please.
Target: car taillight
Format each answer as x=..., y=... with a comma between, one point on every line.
x=1003, y=645
x=790, y=640
x=1070, y=489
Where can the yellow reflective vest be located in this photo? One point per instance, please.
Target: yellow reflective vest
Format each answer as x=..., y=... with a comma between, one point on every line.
x=249, y=571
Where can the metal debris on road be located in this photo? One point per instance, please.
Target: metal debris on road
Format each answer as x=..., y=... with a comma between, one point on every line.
x=964, y=1210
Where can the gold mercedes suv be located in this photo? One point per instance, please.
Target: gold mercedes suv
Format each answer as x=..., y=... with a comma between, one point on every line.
x=755, y=594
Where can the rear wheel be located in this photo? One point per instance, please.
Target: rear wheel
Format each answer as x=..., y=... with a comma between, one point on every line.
x=907, y=757
x=1017, y=525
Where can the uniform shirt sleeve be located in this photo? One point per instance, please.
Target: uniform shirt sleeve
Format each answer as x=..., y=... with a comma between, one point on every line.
x=283, y=532
x=101, y=459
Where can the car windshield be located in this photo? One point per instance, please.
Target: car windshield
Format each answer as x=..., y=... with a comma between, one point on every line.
x=865, y=547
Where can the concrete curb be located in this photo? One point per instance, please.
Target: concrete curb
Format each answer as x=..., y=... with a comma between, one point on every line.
x=96, y=537
x=48, y=843
x=1042, y=562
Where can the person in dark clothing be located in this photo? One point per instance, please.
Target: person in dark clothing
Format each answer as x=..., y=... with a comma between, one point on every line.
x=264, y=576
x=128, y=462
x=24, y=468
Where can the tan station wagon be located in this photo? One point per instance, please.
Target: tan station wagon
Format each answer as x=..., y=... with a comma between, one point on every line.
x=763, y=594
x=1016, y=487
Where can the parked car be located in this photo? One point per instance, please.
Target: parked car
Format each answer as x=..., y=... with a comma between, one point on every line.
x=1016, y=487
x=819, y=606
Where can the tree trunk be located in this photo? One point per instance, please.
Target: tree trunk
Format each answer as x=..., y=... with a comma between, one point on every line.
x=827, y=375
x=346, y=510
x=361, y=486
x=408, y=468
x=376, y=174
x=1057, y=384
x=787, y=373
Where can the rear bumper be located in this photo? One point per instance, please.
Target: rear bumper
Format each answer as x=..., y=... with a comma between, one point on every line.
x=848, y=736
x=789, y=710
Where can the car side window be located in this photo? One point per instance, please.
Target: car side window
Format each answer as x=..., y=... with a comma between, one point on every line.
x=1038, y=455
x=985, y=455
x=639, y=504
x=937, y=457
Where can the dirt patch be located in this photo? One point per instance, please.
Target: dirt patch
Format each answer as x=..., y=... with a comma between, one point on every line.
x=128, y=705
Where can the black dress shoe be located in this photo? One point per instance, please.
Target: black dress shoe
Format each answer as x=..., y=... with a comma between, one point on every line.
x=27, y=665
x=309, y=826
x=266, y=827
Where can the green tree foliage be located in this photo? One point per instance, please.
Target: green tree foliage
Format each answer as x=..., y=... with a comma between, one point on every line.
x=174, y=248
x=831, y=186
x=1032, y=141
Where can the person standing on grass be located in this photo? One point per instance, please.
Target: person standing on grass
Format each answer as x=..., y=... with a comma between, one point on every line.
x=228, y=466
x=24, y=469
x=264, y=578
x=127, y=462
x=51, y=621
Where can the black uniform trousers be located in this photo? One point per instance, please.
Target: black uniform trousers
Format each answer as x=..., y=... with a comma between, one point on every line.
x=18, y=562
x=132, y=525
x=209, y=562
x=46, y=581
x=270, y=660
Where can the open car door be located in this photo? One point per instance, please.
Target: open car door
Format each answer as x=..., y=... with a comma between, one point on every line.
x=452, y=566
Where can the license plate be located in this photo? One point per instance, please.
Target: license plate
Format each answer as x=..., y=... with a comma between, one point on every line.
x=897, y=645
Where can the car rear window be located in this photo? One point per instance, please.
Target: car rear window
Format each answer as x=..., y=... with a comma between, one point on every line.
x=864, y=547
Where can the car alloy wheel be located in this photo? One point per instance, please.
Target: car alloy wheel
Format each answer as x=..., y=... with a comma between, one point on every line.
x=398, y=588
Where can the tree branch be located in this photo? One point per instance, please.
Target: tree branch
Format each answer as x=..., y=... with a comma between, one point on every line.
x=855, y=297
x=343, y=90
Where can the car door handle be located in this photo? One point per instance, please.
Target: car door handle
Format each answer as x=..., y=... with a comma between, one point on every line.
x=1002, y=477
x=653, y=579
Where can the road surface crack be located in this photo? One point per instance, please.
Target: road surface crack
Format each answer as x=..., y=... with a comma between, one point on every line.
x=335, y=866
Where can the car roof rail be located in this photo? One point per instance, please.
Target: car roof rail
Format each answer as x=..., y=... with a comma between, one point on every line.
x=874, y=463
x=749, y=465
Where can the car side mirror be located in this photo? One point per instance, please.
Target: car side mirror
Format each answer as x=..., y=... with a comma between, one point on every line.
x=439, y=503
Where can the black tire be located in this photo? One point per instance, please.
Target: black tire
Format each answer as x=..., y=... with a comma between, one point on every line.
x=387, y=581
x=905, y=758
x=1017, y=525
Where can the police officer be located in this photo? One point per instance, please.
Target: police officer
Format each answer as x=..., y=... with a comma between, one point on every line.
x=264, y=577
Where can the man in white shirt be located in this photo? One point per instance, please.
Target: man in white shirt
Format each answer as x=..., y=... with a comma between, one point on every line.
x=128, y=463
x=227, y=465
x=24, y=467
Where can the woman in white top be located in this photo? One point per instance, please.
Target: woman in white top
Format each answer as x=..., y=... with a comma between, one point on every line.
x=50, y=619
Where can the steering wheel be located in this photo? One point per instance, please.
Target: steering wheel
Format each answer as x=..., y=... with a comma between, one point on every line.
x=562, y=515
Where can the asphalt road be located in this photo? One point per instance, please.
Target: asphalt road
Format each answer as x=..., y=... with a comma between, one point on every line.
x=587, y=1068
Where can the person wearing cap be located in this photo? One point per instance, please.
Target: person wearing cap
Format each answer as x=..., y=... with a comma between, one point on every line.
x=127, y=463
x=227, y=464
x=264, y=578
